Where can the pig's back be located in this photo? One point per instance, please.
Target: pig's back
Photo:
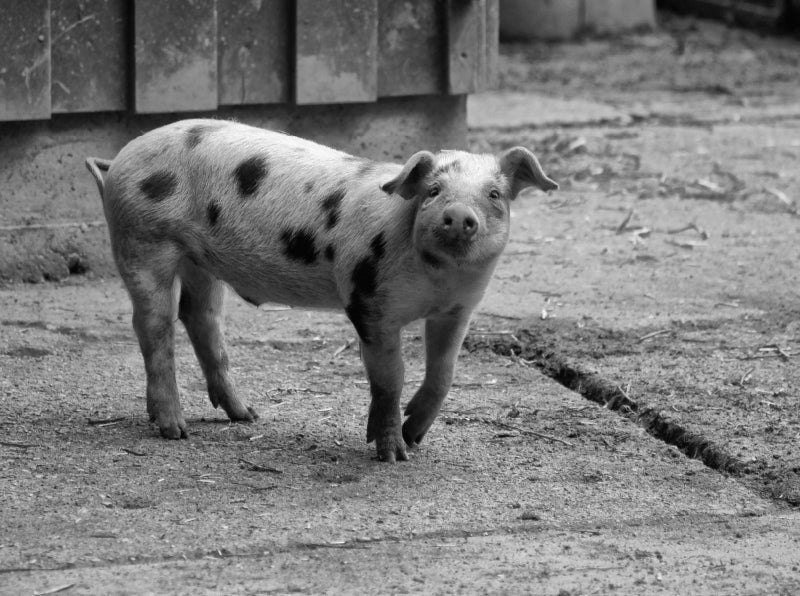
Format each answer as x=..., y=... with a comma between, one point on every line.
x=271, y=214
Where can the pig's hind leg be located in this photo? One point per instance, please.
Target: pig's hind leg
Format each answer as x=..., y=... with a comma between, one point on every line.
x=149, y=275
x=200, y=309
x=443, y=338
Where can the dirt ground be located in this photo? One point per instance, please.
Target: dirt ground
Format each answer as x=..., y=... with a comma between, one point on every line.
x=660, y=281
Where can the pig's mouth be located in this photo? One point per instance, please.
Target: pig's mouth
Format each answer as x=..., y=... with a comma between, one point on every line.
x=474, y=252
x=455, y=247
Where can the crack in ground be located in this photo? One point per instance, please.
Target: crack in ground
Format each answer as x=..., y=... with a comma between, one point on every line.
x=593, y=387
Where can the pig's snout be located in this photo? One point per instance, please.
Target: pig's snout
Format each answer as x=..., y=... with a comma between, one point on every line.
x=459, y=223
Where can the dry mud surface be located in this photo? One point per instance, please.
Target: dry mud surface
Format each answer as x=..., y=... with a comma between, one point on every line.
x=662, y=280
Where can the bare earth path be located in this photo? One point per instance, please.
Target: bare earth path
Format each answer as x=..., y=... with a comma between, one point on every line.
x=662, y=279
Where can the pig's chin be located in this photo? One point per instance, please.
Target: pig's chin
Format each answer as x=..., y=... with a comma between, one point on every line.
x=438, y=250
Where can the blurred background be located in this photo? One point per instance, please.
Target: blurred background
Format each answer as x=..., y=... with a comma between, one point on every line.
x=377, y=78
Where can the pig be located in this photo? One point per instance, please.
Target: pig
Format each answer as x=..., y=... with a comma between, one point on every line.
x=198, y=205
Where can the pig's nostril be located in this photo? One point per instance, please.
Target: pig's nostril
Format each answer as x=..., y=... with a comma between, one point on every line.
x=448, y=221
x=470, y=225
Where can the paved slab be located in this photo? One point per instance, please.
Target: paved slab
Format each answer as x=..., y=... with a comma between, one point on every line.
x=501, y=109
x=521, y=481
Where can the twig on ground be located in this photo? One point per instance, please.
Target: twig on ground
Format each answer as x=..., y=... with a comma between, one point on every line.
x=256, y=487
x=343, y=347
x=54, y=590
x=533, y=433
x=689, y=244
x=781, y=352
x=624, y=224
x=781, y=196
x=728, y=304
x=746, y=376
x=690, y=226
x=254, y=467
x=17, y=445
x=104, y=421
x=459, y=415
x=653, y=334
x=613, y=403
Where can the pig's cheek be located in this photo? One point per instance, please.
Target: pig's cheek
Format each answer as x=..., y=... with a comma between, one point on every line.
x=425, y=242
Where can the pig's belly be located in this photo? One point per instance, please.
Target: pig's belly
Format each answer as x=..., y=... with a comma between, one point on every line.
x=259, y=279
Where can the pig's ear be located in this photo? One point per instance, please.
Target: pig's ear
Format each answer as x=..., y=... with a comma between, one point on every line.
x=523, y=170
x=406, y=183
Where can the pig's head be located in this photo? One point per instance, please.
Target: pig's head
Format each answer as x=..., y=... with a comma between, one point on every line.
x=463, y=201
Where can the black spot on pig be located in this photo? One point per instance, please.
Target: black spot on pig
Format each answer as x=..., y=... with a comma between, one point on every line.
x=213, y=211
x=249, y=174
x=308, y=186
x=448, y=168
x=158, y=185
x=329, y=252
x=366, y=168
x=365, y=277
x=378, y=247
x=332, y=205
x=299, y=245
x=196, y=134
x=365, y=273
x=361, y=313
x=430, y=259
x=363, y=307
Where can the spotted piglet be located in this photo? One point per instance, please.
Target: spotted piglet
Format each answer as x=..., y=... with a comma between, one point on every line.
x=202, y=203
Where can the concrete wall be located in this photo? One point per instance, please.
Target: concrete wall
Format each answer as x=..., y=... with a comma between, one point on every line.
x=52, y=220
x=563, y=19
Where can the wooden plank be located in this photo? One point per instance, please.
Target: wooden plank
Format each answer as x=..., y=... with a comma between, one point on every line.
x=337, y=51
x=411, y=48
x=24, y=60
x=489, y=67
x=175, y=55
x=466, y=45
x=254, y=51
x=89, y=55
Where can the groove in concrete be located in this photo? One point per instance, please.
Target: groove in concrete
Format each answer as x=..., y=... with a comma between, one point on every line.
x=601, y=391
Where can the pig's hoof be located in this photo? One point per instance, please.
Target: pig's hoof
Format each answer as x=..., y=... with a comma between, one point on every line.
x=243, y=414
x=391, y=449
x=383, y=427
x=414, y=430
x=173, y=429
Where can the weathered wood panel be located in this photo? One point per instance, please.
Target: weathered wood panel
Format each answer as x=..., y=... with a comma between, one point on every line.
x=175, y=55
x=89, y=55
x=337, y=51
x=254, y=51
x=466, y=41
x=24, y=60
x=492, y=51
x=411, y=38
x=158, y=56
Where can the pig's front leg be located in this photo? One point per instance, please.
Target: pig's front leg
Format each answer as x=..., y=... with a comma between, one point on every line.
x=443, y=338
x=384, y=364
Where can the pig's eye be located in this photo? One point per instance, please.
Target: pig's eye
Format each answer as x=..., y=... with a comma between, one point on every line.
x=494, y=194
x=434, y=191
